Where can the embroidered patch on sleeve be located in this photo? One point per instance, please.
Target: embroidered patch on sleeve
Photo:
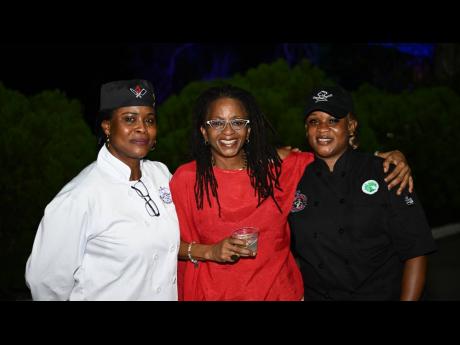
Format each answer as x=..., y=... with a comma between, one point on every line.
x=409, y=201
x=165, y=195
x=300, y=202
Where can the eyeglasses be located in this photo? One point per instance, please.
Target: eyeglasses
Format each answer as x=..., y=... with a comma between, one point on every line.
x=219, y=125
x=150, y=206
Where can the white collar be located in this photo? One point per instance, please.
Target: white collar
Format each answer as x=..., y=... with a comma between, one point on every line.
x=113, y=166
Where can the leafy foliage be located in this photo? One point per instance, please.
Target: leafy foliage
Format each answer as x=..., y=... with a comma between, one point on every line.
x=279, y=89
x=44, y=143
x=421, y=123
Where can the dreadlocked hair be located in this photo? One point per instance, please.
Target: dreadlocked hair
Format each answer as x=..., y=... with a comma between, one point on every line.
x=263, y=162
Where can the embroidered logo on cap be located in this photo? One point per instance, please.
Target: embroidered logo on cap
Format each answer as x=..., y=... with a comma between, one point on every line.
x=300, y=202
x=322, y=96
x=165, y=195
x=409, y=201
x=138, y=91
x=370, y=187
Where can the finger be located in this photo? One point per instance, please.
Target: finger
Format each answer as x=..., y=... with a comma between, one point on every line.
x=391, y=176
x=411, y=184
x=403, y=185
x=400, y=179
x=235, y=246
x=237, y=242
x=383, y=155
x=401, y=166
x=386, y=165
x=241, y=251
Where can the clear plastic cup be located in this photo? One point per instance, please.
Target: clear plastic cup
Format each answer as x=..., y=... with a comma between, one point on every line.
x=250, y=235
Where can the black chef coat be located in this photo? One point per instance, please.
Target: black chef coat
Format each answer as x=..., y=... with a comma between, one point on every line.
x=351, y=234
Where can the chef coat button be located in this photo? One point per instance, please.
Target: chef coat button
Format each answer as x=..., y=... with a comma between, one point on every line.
x=174, y=280
x=342, y=201
x=155, y=257
x=347, y=262
x=158, y=289
x=341, y=231
x=172, y=248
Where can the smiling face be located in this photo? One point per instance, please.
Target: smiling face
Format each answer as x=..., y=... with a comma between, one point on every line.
x=227, y=144
x=328, y=136
x=132, y=132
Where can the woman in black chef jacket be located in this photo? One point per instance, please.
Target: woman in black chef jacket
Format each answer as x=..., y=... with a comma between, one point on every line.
x=355, y=239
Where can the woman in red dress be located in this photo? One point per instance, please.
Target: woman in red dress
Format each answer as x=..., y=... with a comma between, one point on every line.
x=238, y=179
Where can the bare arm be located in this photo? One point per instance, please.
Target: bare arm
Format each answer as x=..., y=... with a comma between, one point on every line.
x=413, y=280
x=285, y=151
x=401, y=175
x=219, y=252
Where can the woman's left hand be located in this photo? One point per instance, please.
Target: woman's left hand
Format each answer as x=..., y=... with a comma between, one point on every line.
x=401, y=174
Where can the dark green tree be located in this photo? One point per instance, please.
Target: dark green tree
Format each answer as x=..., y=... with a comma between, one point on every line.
x=279, y=89
x=424, y=124
x=44, y=143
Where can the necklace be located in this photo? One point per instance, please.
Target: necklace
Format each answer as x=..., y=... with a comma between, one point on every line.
x=245, y=162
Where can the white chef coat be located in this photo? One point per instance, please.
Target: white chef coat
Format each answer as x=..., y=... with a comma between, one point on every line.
x=96, y=240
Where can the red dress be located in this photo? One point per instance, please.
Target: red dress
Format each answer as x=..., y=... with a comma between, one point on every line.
x=272, y=274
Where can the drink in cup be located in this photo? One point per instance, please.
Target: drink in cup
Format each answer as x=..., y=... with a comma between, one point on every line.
x=248, y=234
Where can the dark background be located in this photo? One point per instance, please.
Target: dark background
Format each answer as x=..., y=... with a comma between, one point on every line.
x=78, y=70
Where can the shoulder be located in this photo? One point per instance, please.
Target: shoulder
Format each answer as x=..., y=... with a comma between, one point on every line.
x=366, y=159
x=186, y=170
x=83, y=181
x=156, y=167
x=294, y=165
x=79, y=189
x=299, y=158
x=184, y=175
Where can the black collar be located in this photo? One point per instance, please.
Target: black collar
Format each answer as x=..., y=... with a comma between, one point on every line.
x=341, y=166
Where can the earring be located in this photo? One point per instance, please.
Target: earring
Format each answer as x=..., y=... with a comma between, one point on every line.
x=107, y=141
x=154, y=146
x=206, y=143
x=247, y=140
x=352, y=141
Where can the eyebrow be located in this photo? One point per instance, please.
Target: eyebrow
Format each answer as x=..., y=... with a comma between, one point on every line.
x=135, y=113
x=238, y=117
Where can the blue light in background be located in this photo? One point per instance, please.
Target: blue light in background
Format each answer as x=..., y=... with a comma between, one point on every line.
x=423, y=50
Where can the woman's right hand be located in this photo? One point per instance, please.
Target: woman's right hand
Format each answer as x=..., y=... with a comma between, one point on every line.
x=225, y=249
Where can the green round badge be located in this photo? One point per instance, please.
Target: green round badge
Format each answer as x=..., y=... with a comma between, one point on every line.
x=370, y=187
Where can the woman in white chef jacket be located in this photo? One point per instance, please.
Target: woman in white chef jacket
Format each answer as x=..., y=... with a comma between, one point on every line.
x=112, y=232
